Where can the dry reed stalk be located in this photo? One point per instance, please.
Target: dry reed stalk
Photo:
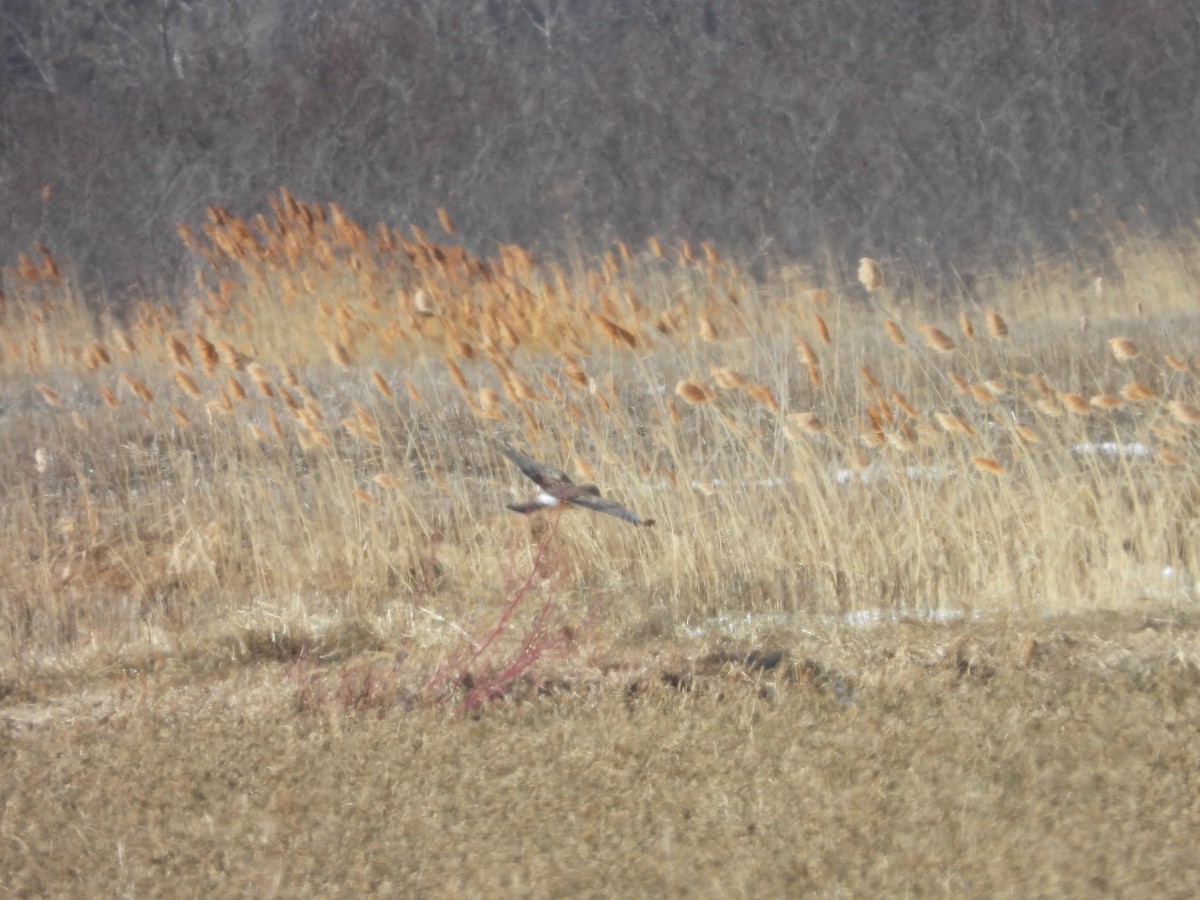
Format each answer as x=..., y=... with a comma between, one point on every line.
x=1042, y=386
x=1124, y=349
x=1184, y=413
x=894, y=333
x=763, y=395
x=686, y=256
x=807, y=421
x=965, y=326
x=138, y=387
x=390, y=482
x=445, y=221
x=726, y=378
x=235, y=388
x=1105, y=401
x=1136, y=392
x=1075, y=403
x=49, y=394
x=1045, y=405
x=655, y=246
x=187, y=385
x=707, y=330
x=869, y=275
x=1177, y=364
x=996, y=326
x=290, y=379
x=575, y=373
x=814, y=375
x=710, y=255
x=936, y=339
x=364, y=498
x=897, y=442
x=822, y=329
x=952, y=424
x=988, y=464
x=869, y=377
x=221, y=405
x=381, y=384
x=693, y=392
x=110, y=399
x=961, y=386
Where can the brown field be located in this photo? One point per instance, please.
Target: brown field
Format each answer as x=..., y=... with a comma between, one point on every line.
x=916, y=615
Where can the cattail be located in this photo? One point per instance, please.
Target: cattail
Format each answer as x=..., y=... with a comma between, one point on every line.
x=615, y=332
x=575, y=373
x=79, y=420
x=209, y=358
x=97, y=356
x=1184, y=413
x=456, y=375
x=221, y=405
x=965, y=326
x=988, y=464
x=232, y=357
x=996, y=326
x=894, y=332
x=806, y=351
x=1105, y=401
x=763, y=395
x=1026, y=434
x=727, y=379
x=693, y=392
x=235, y=388
x=445, y=221
x=901, y=401
x=822, y=329
x=936, y=339
x=655, y=246
x=1123, y=348
x=1169, y=457
x=869, y=275
x=961, y=385
x=1136, y=392
x=381, y=384
x=339, y=354
x=49, y=394
x=110, y=399
x=807, y=421
x=814, y=375
x=996, y=386
x=982, y=395
x=1075, y=403
x=138, y=387
x=489, y=405
x=1177, y=364
x=391, y=482
x=952, y=424
x=179, y=351
x=187, y=385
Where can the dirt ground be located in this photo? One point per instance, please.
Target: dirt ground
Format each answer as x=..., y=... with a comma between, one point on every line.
x=908, y=758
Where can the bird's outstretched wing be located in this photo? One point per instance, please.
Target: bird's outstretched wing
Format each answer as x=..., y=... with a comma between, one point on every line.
x=540, y=473
x=600, y=505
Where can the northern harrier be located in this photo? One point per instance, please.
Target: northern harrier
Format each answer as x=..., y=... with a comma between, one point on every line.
x=557, y=489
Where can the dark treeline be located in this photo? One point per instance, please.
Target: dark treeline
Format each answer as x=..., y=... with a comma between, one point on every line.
x=932, y=130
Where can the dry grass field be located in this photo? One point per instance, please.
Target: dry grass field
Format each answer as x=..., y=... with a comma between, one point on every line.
x=916, y=616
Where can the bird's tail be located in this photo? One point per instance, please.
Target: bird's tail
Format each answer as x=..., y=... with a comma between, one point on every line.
x=524, y=508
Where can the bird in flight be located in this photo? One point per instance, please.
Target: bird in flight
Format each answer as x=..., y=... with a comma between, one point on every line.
x=558, y=489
